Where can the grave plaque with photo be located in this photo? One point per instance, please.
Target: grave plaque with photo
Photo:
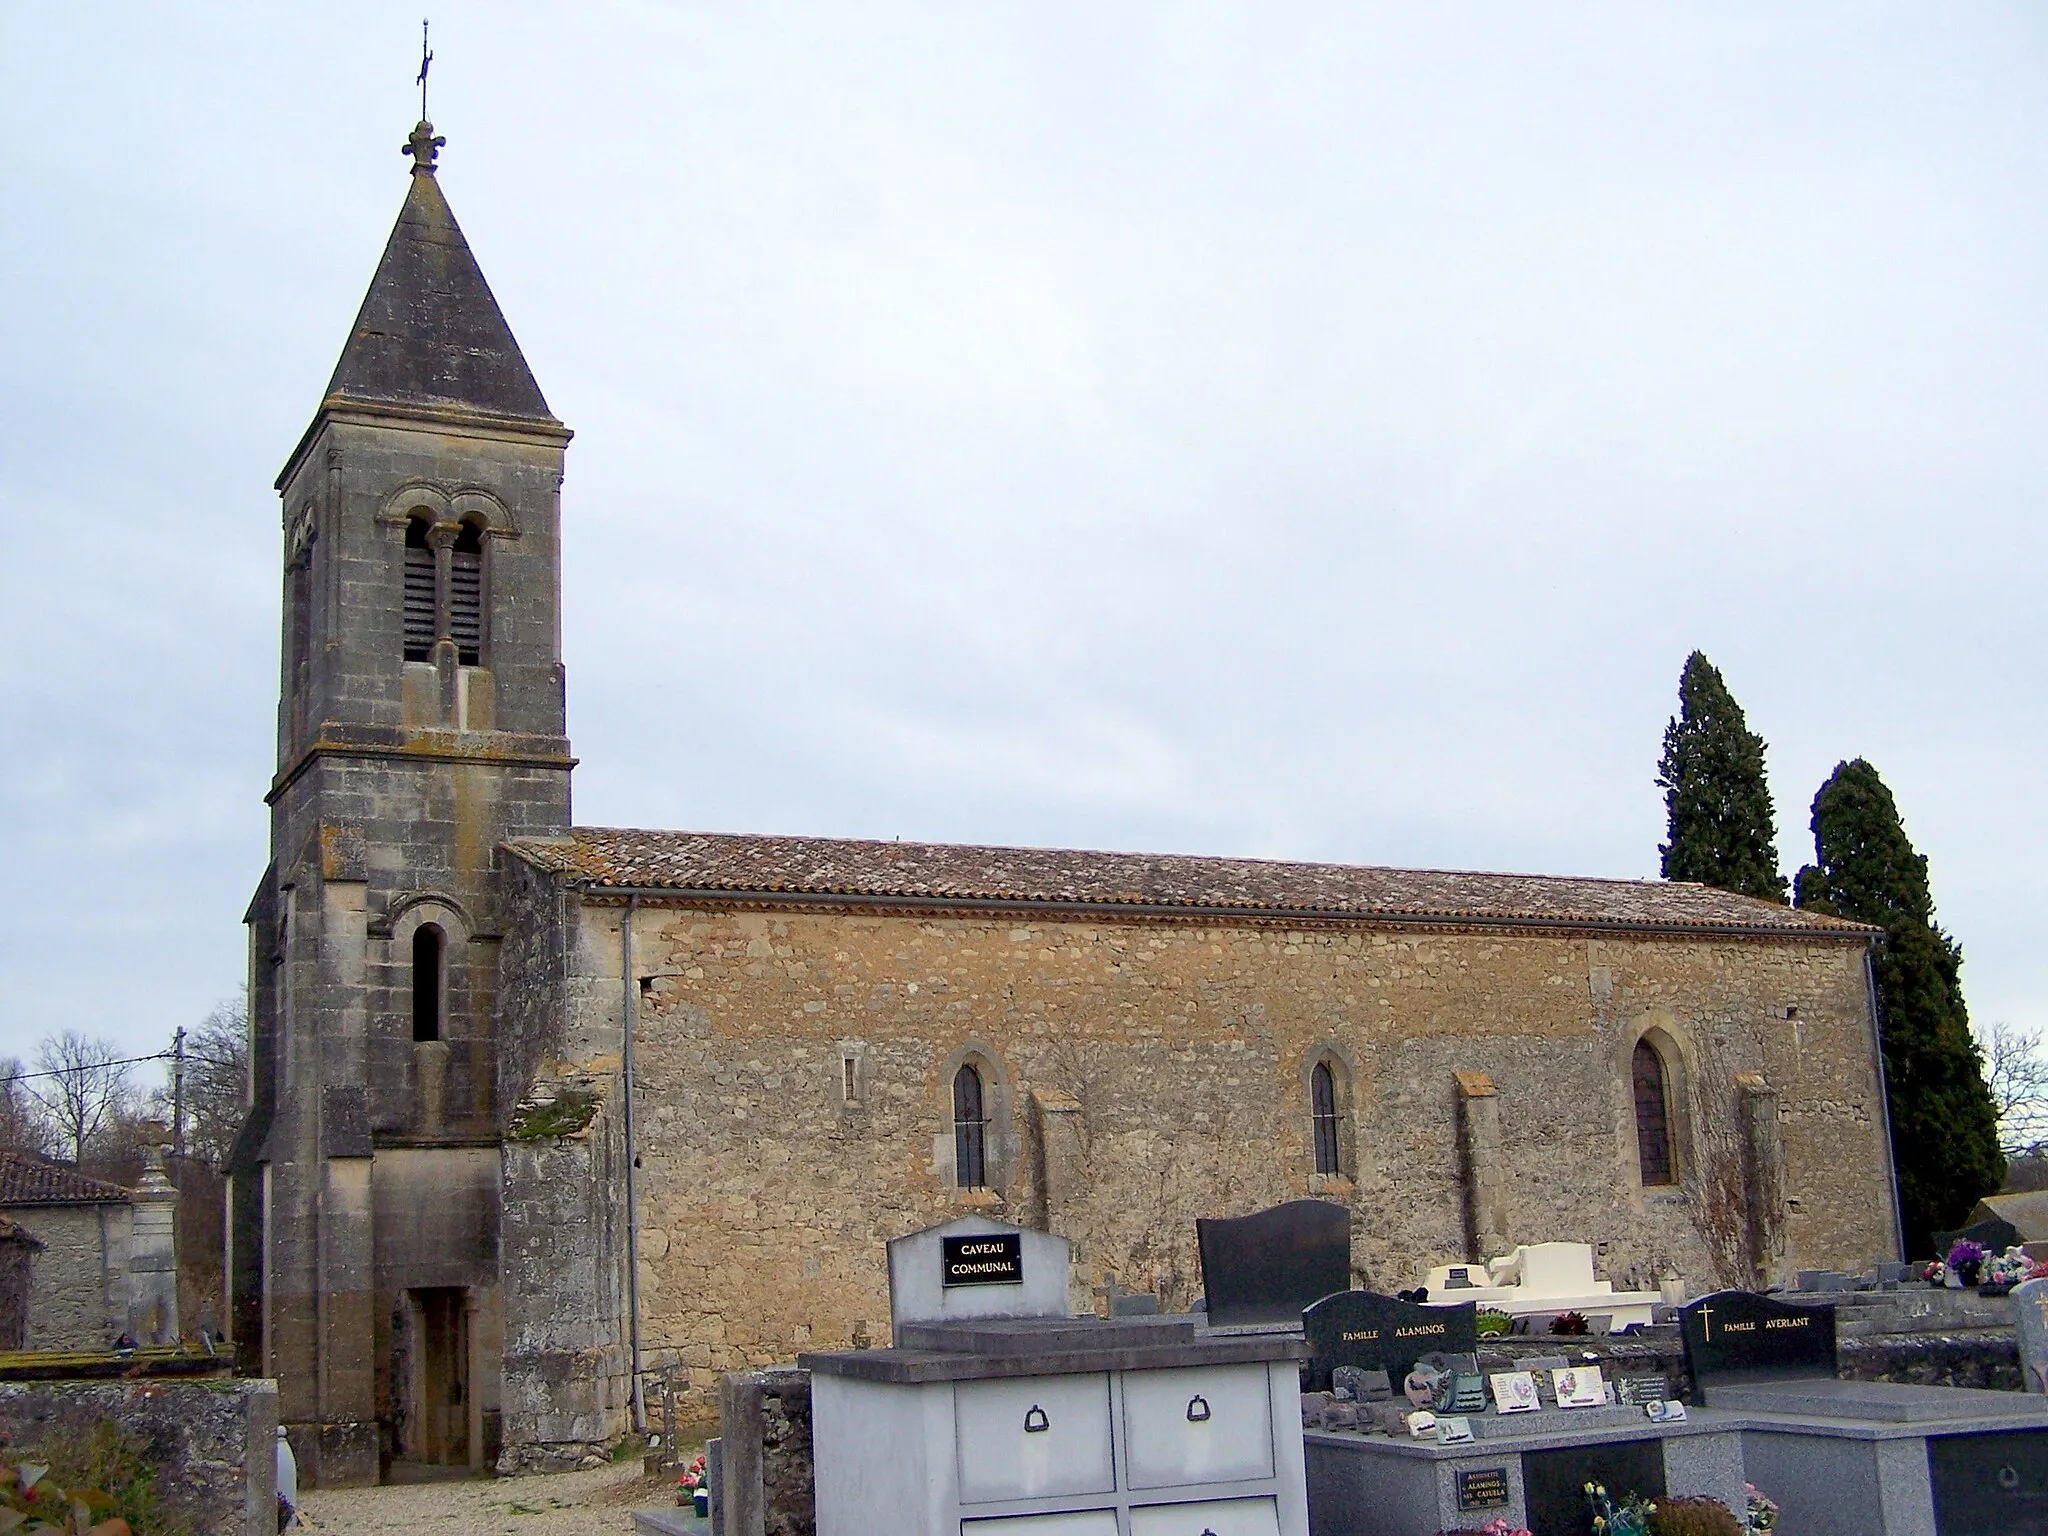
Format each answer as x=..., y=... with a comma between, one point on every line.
x=1735, y=1338
x=1380, y=1333
x=1989, y=1483
x=1271, y=1266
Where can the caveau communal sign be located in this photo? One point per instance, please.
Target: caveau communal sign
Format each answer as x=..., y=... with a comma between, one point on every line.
x=996, y=1258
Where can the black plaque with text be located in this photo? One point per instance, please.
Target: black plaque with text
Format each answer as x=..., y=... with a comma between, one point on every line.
x=1270, y=1266
x=1379, y=1333
x=1483, y=1488
x=1736, y=1337
x=992, y=1258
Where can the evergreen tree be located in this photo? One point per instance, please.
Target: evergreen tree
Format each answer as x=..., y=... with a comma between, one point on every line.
x=1723, y=828
x=1944, y=1124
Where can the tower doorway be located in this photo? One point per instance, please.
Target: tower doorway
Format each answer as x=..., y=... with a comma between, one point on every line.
x=435, y=1427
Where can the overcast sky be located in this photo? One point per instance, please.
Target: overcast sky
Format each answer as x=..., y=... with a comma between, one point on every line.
x=1307, y=431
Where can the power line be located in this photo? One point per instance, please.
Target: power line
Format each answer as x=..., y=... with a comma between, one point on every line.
x=84, y=1067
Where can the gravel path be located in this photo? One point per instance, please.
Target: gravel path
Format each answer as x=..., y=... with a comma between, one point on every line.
x=597, y=1503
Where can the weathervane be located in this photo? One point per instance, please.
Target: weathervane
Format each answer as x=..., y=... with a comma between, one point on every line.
x=426, y=58
x=423, y=146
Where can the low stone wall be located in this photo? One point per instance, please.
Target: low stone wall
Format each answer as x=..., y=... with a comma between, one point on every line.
x=765, y=1481
x=213, y=1443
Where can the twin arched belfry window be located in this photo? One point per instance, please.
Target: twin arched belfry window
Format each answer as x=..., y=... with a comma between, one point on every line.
x=425, y=621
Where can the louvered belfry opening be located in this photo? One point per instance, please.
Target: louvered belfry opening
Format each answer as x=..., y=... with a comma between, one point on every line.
x=466, y=596
x=1653, y=1117
x=419, y=592
x=970, y=1130
x=1323, y=1111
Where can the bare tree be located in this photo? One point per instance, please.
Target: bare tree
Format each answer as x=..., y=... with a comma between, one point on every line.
x=81, y=1086
x=216, y=1082
x=2016, y=1071
x=23, y=1125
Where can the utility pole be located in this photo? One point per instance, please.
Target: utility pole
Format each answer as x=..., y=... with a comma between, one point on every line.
x=178, y=1091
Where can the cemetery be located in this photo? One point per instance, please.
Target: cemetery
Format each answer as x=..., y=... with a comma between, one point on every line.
x=1287, y=1403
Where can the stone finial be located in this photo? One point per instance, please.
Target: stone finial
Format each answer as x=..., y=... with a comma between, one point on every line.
x=424, y=147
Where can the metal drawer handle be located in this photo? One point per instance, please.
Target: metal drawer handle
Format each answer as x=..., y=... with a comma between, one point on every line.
x=1035, y=1421
x=1198, y=1413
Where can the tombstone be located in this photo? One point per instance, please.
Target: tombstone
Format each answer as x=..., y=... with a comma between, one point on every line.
x=1379, y=1333
x=973, y=1267
x=1118, y=1302
x=1993, y=1236
x=1734, y=1338
x=1272, y=1266
x=1824, y=1280
x=2030, y=1322
x=1365, y=1386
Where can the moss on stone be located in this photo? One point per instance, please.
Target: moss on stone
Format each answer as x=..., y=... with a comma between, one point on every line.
x=569, y=1111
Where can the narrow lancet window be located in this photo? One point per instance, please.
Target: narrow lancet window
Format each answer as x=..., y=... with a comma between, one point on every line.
x=426, y=982
x=1653, y=1116
x=1323, y=1112
x=970, y=1131
x=419, y=592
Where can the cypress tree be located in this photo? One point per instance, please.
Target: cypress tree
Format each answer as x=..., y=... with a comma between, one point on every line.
x=1723, y=827
x=1944, y=1124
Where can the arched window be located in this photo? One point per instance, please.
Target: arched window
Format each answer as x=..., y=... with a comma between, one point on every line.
x=426, y=982
x=1322, y=1092
x=466, y=596
x=970, y=1130
x=1653, y=1116
x=419, y=592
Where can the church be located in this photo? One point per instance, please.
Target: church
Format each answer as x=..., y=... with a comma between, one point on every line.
x=540, y=1110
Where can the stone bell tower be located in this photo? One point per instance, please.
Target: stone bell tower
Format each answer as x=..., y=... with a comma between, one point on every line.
x=420, y=724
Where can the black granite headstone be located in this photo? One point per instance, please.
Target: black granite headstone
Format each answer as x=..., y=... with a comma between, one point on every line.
x=1554, y=1482
x=1993, y=1236
x=1733, y=1337
x=1271, y=1266
x=1380, y=1333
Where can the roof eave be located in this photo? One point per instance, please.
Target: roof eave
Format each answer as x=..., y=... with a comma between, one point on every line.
x=422, y=416
x=1148, y=911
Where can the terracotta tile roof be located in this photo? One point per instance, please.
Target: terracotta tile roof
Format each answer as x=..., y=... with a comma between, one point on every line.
x=819, y=869
x=26, y=1180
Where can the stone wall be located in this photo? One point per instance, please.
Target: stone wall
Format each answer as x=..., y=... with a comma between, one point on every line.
x=567, y=1369
x=767, y=1473
x=567, y=1379
x=212, y=1444
x=78, y=1291
x=1142, y=1075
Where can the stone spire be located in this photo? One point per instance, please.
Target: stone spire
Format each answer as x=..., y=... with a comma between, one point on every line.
x=430, y=334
